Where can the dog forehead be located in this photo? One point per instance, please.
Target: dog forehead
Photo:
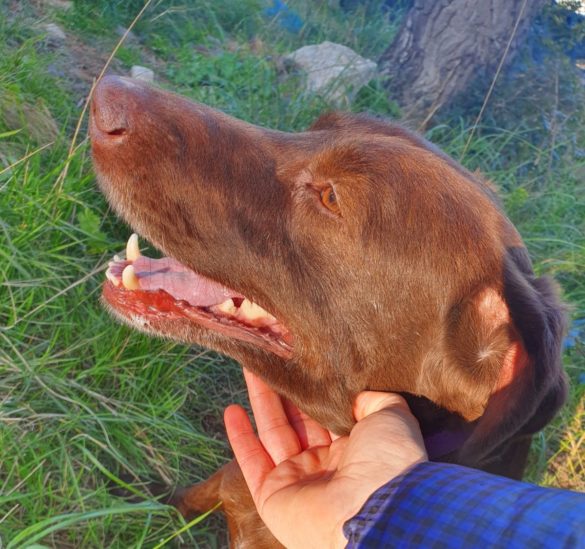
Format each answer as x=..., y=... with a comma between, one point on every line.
x=379, y=159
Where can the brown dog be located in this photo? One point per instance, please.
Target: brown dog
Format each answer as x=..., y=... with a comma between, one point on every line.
x=383, y=263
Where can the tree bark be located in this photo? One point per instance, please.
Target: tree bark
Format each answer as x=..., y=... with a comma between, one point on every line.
x=443, y=45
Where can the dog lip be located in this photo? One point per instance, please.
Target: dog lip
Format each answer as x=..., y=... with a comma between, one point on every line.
x=147, y=310
x=188, y=296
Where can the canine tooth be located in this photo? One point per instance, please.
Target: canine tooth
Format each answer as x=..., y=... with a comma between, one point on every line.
x=227, y=307
x=117, y=259
x=129, y=278
x=251, y=311
x=132, y=249
x=113, y=279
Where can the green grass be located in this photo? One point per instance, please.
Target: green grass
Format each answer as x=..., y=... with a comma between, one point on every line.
x=87, y=405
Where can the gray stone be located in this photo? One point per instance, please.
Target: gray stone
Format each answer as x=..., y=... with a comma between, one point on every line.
x=333, y=71
x=142, y=73
x=55, y=33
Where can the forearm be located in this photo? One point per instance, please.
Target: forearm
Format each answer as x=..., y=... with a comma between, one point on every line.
x=447, y=505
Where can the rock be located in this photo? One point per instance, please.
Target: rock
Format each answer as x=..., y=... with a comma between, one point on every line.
x=59, y=4
x=333, y=71
x=142, y=73
x=55, y=33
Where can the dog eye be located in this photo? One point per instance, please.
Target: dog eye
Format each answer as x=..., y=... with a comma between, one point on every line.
x=329, y=199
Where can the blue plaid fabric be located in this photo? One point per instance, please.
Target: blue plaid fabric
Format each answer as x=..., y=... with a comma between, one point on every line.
x=436, y=505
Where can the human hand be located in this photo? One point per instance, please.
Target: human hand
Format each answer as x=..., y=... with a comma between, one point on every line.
x=305, y=481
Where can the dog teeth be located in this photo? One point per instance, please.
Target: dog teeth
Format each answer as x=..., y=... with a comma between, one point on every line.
x=251, y=311
x=129, y=278
x=132, y=249
x=112, y=278
x=227, y=307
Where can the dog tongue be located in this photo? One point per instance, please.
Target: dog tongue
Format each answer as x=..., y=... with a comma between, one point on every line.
x=179, y=281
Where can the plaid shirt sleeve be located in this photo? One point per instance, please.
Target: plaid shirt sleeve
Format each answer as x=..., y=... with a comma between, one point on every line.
x=436, y=505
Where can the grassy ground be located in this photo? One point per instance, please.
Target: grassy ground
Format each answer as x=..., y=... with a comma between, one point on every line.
x=87, y=405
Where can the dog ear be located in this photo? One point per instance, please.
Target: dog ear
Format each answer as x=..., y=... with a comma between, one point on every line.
x=532, y=384
x=477, y=345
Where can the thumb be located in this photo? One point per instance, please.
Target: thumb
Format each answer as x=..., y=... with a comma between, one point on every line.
x=370, y=402
x=385, y=421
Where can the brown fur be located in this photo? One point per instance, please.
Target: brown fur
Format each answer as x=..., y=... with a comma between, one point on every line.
x=421, y=286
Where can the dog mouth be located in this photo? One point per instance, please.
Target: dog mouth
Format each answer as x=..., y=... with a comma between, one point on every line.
x=156, y=293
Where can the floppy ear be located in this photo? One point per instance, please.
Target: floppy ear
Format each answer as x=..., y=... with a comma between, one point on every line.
x=477, y=340
x=532, y=384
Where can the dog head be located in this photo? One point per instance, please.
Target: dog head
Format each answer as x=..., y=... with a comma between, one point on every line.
x=352, y=256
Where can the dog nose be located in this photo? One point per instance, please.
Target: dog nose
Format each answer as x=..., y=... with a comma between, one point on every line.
x=113, y=101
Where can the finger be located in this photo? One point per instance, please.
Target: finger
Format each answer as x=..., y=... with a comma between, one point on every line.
x=370, y=402
x=251, y=456
x=274, y=429
x=309, y=432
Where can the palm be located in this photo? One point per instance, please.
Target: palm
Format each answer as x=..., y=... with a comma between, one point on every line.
x=317, y=465
x=294, y=448
x=304, y=480
x=290, y=471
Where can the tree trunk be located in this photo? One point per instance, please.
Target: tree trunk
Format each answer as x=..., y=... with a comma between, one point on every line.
x=443, y=45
